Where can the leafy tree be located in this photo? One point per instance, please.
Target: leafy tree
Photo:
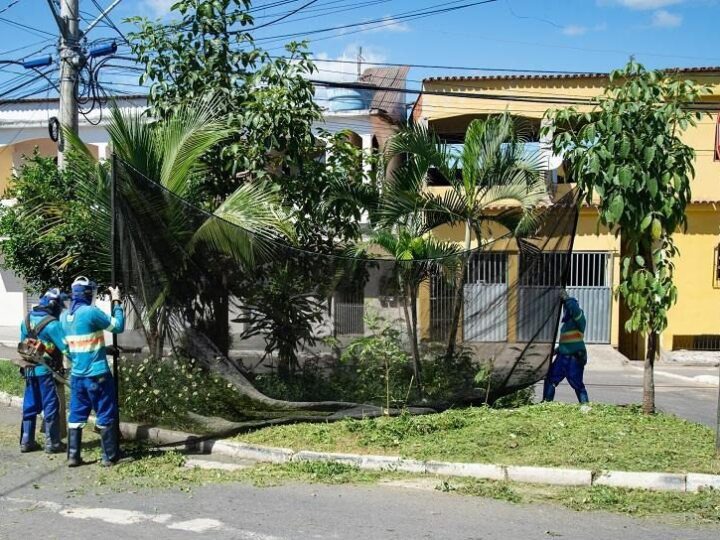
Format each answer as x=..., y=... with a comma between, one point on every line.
x=493, y=168
x=46, y=199
x=270, y=110
x=418, y=257
x=629, y=153
x=161, y=241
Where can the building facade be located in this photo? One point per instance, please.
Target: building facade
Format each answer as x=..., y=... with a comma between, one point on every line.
x=694, y=323
x=367, y=118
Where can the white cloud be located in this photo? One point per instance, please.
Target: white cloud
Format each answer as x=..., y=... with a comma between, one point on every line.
x=665, y=19
x=346, y=69
x=642, y=4
x=159, y=8
x=574, y=30
x=385, y=24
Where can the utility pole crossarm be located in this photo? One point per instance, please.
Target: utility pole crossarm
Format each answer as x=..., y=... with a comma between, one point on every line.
x=100, y=17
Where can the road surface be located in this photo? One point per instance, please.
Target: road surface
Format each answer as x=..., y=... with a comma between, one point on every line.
x=41, y=498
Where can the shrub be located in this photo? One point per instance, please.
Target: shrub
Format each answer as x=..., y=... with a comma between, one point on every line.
x=165, y=391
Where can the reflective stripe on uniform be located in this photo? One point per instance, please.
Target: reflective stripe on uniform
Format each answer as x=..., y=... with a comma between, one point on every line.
x=86, y=343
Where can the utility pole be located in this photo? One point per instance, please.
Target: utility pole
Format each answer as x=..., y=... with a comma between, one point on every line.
x=71, y=60
x=359, y=62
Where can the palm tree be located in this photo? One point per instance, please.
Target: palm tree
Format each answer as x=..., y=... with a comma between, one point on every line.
x=417, y=258
x=493, y=180
x=161, y=237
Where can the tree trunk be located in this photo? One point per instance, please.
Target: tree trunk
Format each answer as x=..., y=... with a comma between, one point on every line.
x=417, y=366
x=649, y=374
x=459, y=297
x=407, y=297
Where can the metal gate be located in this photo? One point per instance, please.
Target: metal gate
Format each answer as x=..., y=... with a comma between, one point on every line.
x=589, y=281
x=591, y=284
x=485, y=307
x=484, y=300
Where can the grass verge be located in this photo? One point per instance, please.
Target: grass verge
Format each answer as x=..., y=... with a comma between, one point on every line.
x=153, y=469
x=551, y=434
x=10, y=380
x=691, y=508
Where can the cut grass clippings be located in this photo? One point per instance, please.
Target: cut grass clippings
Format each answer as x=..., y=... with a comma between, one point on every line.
x=550, y=435
x=691, y=508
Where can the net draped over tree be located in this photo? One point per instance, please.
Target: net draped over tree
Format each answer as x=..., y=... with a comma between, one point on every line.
x=353, y=352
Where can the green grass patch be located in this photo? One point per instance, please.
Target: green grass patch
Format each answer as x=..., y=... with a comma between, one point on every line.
x=153, y=469
x=10, y=380
x=552, y=435
x=693, y=508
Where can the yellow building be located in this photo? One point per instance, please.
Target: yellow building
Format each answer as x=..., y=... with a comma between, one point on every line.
x=694, y=323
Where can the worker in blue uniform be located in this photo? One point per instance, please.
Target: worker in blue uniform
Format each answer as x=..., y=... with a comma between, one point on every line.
x=91, y=385
x=41, y=395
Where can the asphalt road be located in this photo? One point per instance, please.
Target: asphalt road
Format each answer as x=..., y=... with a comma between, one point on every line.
x=41, y=498
x=610, y=381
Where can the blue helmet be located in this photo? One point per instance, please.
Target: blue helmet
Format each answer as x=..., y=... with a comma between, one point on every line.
x=53, y=300
x=571, y=307
x=83, y=288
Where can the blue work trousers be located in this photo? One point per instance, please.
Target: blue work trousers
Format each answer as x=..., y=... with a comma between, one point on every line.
x=570, y=368
x=89, y=394
x=40, y=397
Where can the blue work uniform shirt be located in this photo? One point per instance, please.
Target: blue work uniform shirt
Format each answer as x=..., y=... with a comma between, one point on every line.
x=84, y=331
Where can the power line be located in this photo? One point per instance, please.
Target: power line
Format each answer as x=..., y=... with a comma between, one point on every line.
x=287, y=15
x=17, y=49
x=25, y=27
x=352, y=6
x=448, y=68
x=11, y=4
x=106, y=16
x=394, y=19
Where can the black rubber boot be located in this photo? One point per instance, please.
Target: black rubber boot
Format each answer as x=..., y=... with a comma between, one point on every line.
x=110, y=446
x=74, y=447
x=27, y=437
x=53, y=444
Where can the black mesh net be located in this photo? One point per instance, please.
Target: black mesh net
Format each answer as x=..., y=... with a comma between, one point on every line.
x=233, y=337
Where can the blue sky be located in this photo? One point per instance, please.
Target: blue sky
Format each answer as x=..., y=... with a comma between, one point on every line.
x=570, y=35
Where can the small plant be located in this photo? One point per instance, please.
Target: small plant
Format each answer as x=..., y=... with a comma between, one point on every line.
x=380, y=364
x=519, y=398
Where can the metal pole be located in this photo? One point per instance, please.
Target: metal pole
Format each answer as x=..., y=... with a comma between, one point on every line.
x=70, y=62
x=717, y=427
x=113, y=282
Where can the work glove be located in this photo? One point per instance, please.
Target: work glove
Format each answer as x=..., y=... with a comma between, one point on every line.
x=564, y=295
x=114, y=294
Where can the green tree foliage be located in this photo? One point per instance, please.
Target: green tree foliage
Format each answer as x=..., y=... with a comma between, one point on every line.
x=629, y=153
x=49, y=236
x=269, y=107
x=493, y=167
x=418, y=257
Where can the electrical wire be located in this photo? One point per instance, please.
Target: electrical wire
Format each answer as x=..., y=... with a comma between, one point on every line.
x=11, y=4
x=286, y=16
x=436, y=9
x=111, y=24
x=36, y=31
x=447, y=68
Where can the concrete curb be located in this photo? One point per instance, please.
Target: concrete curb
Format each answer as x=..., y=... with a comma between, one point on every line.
x=655, y=481
x=708, y=380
